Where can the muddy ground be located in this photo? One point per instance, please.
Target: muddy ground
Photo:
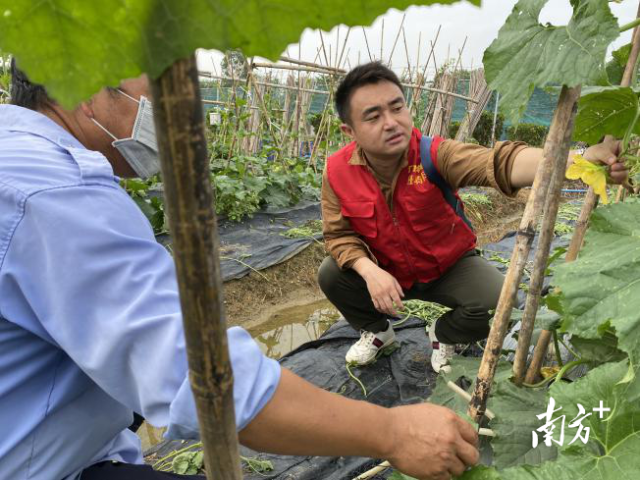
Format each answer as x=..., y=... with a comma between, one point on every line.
x=255, y=299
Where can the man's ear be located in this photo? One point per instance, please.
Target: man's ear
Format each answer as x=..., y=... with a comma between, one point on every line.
x=87, y=108
x=347, y=130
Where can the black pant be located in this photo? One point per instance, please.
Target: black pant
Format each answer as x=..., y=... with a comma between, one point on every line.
x=125, y=471
x=470, y=288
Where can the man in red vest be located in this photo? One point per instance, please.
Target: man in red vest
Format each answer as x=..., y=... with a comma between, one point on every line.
x=390, y=232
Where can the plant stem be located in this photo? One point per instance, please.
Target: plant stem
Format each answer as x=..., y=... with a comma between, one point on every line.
x=630, y=25
x=175, y=453
x=568, y=367
x=556, y=345
x=571, y=350
x=357, y=380
x=539, y=384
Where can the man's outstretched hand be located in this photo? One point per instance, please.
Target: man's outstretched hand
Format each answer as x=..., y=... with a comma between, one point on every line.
x=425, y=441
x=443, y=450
x=608, y=153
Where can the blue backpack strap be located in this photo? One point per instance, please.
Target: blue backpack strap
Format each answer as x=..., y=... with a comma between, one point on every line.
x=434, y=177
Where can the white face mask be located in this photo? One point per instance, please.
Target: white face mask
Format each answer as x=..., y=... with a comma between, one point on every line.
x=141, y=149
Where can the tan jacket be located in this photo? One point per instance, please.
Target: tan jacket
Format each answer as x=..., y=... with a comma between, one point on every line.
x=460, y=164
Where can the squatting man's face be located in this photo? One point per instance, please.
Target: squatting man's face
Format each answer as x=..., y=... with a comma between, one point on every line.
x=379, y=120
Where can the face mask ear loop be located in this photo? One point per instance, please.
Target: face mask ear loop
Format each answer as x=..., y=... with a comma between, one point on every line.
x=128, y=96
x=104, y=129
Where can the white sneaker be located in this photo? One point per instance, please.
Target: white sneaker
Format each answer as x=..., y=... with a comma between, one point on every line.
x=365, y=350
x=442, y=352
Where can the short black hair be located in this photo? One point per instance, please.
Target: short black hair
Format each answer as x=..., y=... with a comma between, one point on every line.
x=26, y=94
x=33, y=96
x=367, y=74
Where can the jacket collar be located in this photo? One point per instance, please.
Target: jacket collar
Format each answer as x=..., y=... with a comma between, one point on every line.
x=19, y=119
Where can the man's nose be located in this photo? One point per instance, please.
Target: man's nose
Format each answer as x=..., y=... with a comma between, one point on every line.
x=389, y=121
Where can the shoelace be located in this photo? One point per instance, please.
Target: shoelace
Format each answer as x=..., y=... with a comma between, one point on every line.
x=366, y=338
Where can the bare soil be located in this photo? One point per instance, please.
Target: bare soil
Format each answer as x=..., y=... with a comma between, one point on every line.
x=253, y=299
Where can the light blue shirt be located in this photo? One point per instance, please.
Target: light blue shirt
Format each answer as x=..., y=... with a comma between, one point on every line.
x=90, y=323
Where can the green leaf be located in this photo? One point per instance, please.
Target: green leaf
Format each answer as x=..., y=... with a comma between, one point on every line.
x=527, y=54
x=186, y=463
x=611, y=451
x=601, y=350
x=93, y=44
x=516, y=410
x=600, y=289
x=616, y=66
x=605, y=111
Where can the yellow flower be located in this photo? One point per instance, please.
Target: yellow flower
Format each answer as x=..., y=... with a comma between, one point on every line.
x=590, y=173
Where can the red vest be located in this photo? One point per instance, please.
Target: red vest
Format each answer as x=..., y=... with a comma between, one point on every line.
x=422, y=237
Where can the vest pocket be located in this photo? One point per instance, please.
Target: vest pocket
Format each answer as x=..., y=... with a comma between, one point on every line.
x=361, y=216
x=425, y=214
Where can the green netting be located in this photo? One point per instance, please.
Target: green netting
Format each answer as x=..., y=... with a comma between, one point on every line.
x=539, y=110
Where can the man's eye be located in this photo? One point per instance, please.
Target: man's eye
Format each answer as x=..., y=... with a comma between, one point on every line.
x=373, y=119
x=398, y=109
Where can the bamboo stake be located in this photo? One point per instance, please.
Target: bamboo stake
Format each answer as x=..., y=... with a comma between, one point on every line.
x=344, y=45
x=467, y=397
x=555, y=153
x=381, y=40
x=589, y=204
x=420, y=48
x=374, y=471
x=189, y=200
x=539, y=266
x=540, y=350
x=337, y=43
x=393, y=49
x=299, y=99
x=366, y=41
x=346, y=62
x=324, y=51
x=495, y=120
x=406, y=54
x=424, y=71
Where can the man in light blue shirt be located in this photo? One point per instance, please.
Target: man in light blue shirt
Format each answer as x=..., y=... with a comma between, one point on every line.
x=91, y=330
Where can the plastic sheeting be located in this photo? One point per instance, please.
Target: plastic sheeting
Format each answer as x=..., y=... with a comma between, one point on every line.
x=403, y=377
x=258, y=242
